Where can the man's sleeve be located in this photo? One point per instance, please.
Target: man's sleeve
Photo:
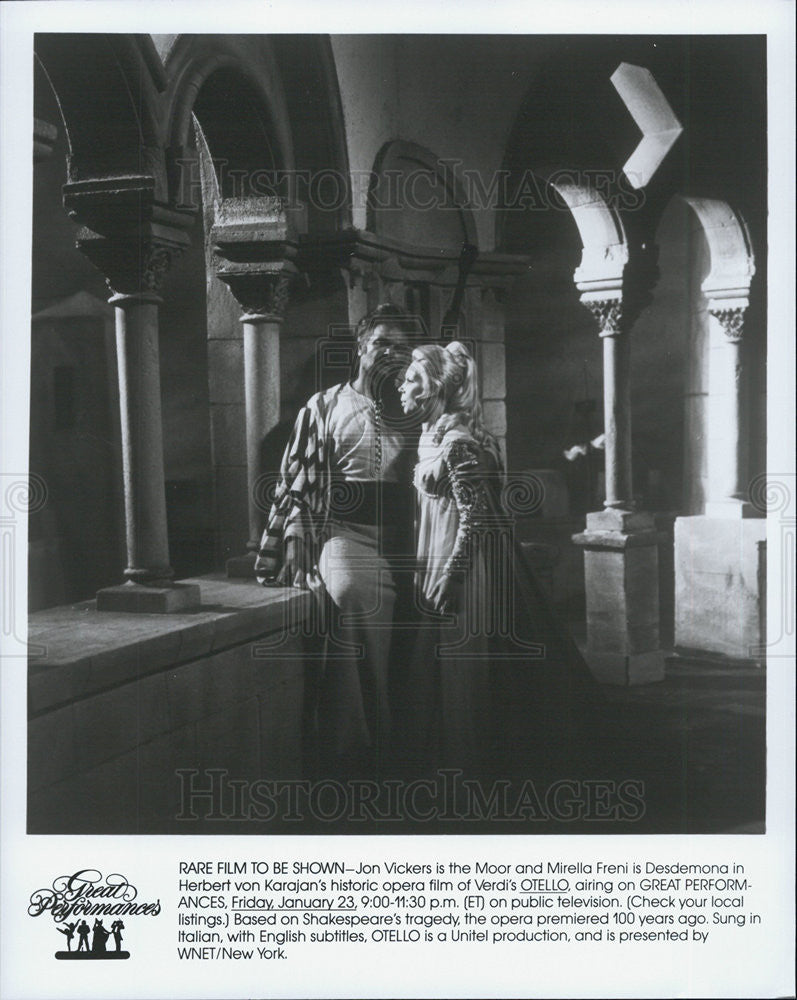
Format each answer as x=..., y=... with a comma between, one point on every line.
x=296, y=494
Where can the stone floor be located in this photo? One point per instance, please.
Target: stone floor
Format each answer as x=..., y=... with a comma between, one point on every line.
x=699, y=739
x=695, y=744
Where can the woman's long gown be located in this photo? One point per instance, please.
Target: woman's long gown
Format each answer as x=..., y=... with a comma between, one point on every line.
x=501, y=672
x=449, y=676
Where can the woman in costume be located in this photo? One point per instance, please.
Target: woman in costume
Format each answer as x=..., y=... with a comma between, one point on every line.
x=489, y=649
x=457, y=479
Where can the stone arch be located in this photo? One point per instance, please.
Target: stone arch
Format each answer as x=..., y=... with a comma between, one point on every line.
x=108, y=89
x=207, y=76
x=723, y=372
x=604, y=245
x=578, y=251
x=312, y=93
x=416, y=198
x=290, y=90
x=730, y=248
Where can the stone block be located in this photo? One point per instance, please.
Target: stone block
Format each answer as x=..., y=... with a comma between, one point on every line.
x=139, y=599
x=56, y=685
x=604, y=573
x=111, y=723
x=628, y=522
x=551, y=485
x=495, y=417
x=125, y=662
x=493, y=313
x=158, y=790
x=226, y=371
x=51, y=748
x=232, y=511
x=228, y=433
x=231, y=740
x=718, y=604
x=627, y=669
x=241, y=567
x=102, y=800
x=492, y=369
x=622, y=595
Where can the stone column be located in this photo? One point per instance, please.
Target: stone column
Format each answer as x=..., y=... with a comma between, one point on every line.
x=142, y=440
x=616, y=403
x=254, y=243
x=620, y=543
x=133, y=241
x=727, y=430
x=720, y=555
x=264, y=298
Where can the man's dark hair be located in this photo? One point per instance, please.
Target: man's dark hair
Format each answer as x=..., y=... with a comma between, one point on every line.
x=386, y=314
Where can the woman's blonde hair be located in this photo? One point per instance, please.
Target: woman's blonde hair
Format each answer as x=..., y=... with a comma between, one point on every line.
x=450, y=375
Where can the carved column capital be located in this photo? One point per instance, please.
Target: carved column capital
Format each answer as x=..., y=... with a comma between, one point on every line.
x=127, y=235
x=254, y=244
x=262, y=290
x=731, y=319
x=608, y=314
x=133, y=264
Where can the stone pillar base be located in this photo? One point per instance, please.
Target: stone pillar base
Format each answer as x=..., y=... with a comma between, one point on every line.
x=143, y=599
x=718, y=585
x=731, y=508
x=625, y=670
x=622, y=589
x=241, y=567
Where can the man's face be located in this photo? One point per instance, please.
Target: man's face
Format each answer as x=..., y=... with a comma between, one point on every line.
x=384, y=350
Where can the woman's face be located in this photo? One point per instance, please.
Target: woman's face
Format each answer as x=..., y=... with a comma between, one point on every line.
x=411, y=389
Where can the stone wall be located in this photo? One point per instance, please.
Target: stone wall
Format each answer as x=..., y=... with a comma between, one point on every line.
x=119, y=703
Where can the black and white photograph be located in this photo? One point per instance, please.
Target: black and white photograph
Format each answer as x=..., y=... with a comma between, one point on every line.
x=404, y=461
x=385, y=423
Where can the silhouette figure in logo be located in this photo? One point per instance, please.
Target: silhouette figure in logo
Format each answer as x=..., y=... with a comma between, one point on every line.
x=99, y=937
x=116, y=928
x=83, y=936
x=69, y=931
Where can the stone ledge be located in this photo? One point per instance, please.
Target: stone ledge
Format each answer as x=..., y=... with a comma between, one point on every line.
x=617, y=539
x=87, y=652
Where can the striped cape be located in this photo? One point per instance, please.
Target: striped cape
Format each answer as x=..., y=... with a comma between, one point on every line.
x=301, y=498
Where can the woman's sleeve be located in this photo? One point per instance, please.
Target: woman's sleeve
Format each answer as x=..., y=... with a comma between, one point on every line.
x=470, y=491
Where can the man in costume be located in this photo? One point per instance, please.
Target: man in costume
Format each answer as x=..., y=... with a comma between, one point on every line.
x=341, y=524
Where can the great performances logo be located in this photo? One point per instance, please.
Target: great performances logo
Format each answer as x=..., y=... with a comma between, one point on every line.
x=87, y=893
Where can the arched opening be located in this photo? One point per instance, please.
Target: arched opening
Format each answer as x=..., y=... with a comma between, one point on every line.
x=234, y=141
x=414, y=199
x=108, y=92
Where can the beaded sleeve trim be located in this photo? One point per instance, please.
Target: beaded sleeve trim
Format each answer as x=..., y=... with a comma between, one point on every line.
x=470, y=495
